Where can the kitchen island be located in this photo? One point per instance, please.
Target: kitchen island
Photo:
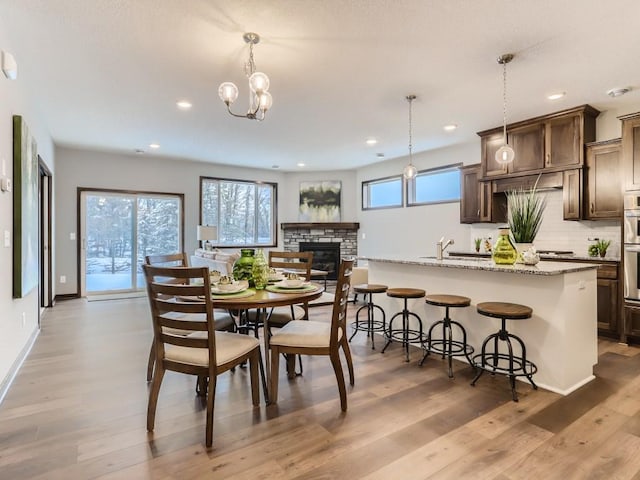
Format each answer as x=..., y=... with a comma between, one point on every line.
x=561, y=336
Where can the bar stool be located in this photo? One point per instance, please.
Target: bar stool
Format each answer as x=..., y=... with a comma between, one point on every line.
x=505, y=363
x=446, y=345
x=370, y=325
x=405, y=335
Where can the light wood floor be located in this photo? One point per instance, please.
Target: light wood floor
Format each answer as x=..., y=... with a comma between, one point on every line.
x=77, y=410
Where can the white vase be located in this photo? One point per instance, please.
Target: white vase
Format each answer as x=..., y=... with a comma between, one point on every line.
x=521, y=248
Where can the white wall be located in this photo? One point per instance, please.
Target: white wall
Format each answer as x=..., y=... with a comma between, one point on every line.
x=90, y=169
x=413, y=230
x=18, y=317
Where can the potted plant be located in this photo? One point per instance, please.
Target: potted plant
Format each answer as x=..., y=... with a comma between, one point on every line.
x=476, y=242
x=599, y=248
x=525, y=209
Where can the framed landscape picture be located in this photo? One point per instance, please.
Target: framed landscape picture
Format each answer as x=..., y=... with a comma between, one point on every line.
x=320, y=201
x=25, y=209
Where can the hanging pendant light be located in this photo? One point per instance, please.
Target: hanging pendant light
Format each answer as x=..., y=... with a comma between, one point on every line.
x=505, y=153
x=259, y=98
x=410, y=171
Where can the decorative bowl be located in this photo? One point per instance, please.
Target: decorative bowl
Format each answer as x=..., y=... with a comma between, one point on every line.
x=293, y=282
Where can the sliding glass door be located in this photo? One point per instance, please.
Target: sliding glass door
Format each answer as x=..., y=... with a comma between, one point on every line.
x=118, y=230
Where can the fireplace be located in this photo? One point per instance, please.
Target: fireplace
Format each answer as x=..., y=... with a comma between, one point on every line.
x=326, y=256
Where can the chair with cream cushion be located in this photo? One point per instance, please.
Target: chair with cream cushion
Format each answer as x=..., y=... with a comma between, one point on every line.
x=204, y=352
x=300, y=263
x=224, y=320
x=312, y=337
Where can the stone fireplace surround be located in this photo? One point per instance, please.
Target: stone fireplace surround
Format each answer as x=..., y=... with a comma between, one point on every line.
x=344, y=233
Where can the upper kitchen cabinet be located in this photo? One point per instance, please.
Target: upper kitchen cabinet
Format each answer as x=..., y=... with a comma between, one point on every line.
x=470, y=193
x=552, y=142
x=489, y=144
x=603, y=197
x=478, y=202
x=631, y=151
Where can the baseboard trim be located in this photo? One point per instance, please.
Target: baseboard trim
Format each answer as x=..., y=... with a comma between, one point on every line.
x=66, y=296
x=13, y=371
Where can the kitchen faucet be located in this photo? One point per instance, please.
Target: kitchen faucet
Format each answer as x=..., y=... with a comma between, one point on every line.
x=441, y=245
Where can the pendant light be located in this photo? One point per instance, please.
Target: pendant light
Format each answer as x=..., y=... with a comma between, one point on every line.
x=259, y=98
x=410, y=171
x=505, y=153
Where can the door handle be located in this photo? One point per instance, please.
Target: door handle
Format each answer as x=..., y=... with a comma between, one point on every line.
x=548, y=159
x=592, y=207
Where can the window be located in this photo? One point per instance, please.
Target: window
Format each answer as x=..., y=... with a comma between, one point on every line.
x=437, y=185
x=382, y=193
x=243, y=211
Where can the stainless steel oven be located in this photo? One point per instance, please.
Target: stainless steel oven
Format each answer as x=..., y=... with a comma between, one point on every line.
x=631, y=249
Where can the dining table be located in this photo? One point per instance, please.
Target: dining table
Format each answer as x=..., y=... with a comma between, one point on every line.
x=262, y=301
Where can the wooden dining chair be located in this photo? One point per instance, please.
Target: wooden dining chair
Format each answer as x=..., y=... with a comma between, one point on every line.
x=204, y=352
x=224, y=320
x=300, y=263
x=312, y=337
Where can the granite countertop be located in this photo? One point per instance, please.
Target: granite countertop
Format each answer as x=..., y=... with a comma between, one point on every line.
x=542, y=268
x=547, y=256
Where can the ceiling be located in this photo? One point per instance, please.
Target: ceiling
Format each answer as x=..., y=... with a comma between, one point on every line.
x=106, y=74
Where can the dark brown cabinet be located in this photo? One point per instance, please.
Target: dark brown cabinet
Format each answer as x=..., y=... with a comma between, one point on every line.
x=572, y=194
x=478, y=202
x=608, y=300
x=564, y=140
x=603, y=197
x=528, y=144
x=489, y=145
x=470, y=193
x=552, y=142
x=631, y=151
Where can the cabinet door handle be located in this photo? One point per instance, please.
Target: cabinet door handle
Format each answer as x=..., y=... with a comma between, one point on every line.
x=478, y=212
x=548, y=159
x=592, y=207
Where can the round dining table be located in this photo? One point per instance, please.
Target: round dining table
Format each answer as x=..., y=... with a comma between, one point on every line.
x=261, y=300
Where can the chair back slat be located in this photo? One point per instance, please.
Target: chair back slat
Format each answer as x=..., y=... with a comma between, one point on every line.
x=341, y=301
x=179, y=259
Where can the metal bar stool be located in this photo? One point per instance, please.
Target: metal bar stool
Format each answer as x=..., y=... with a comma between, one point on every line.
x=494, y=361
x=405, y=335
x=370, y=325
x=446, y=345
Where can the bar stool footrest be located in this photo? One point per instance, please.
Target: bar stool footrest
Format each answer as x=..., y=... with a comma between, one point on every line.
x=521, y=368
x=406, y=336
x=441, y=347
x=363, y=326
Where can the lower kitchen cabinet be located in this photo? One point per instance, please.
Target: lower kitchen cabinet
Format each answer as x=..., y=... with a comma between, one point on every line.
x=608, y=300
x=632, y=320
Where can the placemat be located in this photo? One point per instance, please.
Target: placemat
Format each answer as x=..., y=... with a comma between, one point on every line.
x=246, y=293
x=305, y=289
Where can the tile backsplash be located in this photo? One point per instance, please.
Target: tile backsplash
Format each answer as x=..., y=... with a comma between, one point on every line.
x=558, y=234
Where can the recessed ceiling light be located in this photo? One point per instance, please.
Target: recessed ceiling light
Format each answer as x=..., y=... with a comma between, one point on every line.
x=301, y=164
x=154, y=145
x=451, y=127
x=556, y=96
x=184, y=105
x=618, y=92
x=371, y=141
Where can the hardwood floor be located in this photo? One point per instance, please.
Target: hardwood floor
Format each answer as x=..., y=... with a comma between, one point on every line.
x=77, y=410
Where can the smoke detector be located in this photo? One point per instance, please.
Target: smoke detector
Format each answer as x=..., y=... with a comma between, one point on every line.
x=618, y=92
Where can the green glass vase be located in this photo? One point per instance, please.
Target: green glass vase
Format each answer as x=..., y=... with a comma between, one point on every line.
x=260, y=270
x=504, y=253
x=243, y=267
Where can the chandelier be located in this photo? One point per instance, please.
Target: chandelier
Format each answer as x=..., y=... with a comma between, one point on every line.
x=410, y=171
x=259, y=98
x=505, y=153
